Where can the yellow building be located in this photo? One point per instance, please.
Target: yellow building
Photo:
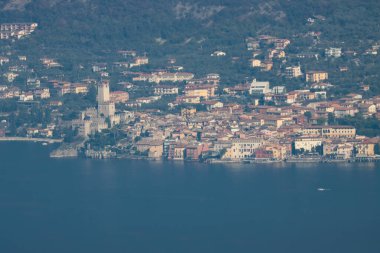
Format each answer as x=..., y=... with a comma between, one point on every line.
x=255, y=63
x=365, y=149
x=78, y=88
x=316, y=76
x=339, y=150
x=197, y=93
x=205, y=91
x=279, y=151
x=241, y=148
x=155, y=148
x=333, y=132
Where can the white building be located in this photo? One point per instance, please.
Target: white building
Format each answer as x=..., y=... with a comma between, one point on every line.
x=259, y=87
x=293, y=72
x=307, y=143
x=333, y=52
x=165, y=90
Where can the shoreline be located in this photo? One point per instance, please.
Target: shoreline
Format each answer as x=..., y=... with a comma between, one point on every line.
x=72, y=153
x=26, y=139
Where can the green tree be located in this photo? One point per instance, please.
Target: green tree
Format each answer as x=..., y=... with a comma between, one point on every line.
x=331, y=118
x=308, y=115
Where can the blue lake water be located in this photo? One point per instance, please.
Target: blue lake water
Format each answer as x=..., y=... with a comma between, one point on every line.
x=78, y=205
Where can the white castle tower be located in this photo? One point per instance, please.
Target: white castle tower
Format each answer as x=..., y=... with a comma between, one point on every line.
x=106, y=108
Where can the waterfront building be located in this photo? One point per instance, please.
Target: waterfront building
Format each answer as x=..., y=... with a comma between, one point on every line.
x=308, y=144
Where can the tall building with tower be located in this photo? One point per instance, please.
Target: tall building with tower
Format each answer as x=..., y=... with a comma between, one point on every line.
x=106, y=108
x=94, y=120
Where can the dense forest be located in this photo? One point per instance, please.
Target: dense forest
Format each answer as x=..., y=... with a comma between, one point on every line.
x=80, y=28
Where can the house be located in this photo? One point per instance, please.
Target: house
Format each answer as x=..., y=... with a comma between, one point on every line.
x=366, y=148
x=176, y=151
x=164, y=77
x=99, y=67
x=33, y=82
x=78, y=88
x=213, y=104
x=119, y=96
x=255, y=63
x=333, y=52
x=147, y=100
x=293, y=72
x=188, y=112
x=321, y=86
x=367, y=109
x=165, y=90
x=188, y=99
x=3, y=88
x=341, y=112
x=127, y=53
x=194, y=151
x=266, y=65
x=139, y=61
x=252, y=44
x=55, y=103
x=3, y=60
x=27, y=96
x=281, y=44
x=42, y=93
x=50, y=63
x=237, y=89
x=10, y=76
x=218, y=53
x=279, y=90
x=154, y=147
x=338, y=149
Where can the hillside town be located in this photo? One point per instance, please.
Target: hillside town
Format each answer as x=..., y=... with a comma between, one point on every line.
x=169, y=113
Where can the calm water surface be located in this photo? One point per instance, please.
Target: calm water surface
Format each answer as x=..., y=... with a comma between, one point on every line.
x=76, y=205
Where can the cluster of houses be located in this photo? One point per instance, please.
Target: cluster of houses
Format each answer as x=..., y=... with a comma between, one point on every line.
x=272, y=124
x=274, y=49
x=231, y=134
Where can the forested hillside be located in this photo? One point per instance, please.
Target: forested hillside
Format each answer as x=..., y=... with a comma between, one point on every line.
x=89, y=26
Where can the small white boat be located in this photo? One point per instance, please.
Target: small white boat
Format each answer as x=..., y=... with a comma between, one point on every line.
x=322, y=189
x=44, y=144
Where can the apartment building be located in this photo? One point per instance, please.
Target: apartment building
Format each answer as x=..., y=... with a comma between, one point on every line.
x=316, y=76
x=293, y=72
x=165, y=90
x=332, y=132
x=259, y=87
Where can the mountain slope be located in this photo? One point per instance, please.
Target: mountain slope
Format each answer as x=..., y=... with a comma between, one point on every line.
x=89, y=27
